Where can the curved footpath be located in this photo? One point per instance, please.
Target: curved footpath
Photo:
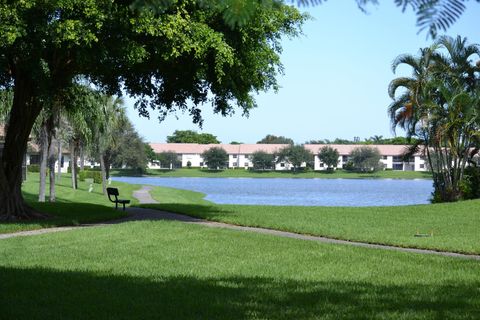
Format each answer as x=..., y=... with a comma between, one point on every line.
x=139, y=214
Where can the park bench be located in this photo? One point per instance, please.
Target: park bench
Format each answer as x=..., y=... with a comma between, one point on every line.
x=114, y=192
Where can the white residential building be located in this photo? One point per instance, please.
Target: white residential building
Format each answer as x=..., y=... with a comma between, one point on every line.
x=392, y=156
x=239, y=155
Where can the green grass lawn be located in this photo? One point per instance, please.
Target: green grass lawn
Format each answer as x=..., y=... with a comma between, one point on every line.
x=72, y=206
x=242, y=173
x=455, y=226
x=169, y=270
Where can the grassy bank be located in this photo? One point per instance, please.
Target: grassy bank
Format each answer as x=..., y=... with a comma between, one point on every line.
x=454, y=225
x=72, y=206
x=242, y=173
x=168, y=270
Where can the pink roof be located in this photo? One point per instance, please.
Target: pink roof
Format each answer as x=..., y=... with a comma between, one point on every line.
x=346, y=149
x=268, y=148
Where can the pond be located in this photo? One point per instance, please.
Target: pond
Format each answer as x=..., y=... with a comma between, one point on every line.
x=300, y=192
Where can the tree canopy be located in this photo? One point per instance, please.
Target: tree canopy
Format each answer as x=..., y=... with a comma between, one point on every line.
x=215, y=158
x=174, y=59
x=296, y=155
x=329, y=156
x=189, y=136
x=272, y=139
x=262, y=160
x=365, y=159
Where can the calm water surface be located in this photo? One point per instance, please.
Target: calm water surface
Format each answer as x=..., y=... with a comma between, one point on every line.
x=300, y=192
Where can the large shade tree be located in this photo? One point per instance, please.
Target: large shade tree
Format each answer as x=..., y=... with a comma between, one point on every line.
x=165, y=58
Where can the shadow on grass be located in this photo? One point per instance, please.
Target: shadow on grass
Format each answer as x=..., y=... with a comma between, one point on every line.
x=49, y=294
x=62, y=213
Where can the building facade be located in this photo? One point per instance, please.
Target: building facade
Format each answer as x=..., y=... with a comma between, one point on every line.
x=240, y=155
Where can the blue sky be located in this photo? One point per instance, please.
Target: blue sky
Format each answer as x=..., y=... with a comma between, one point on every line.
x=335, y=81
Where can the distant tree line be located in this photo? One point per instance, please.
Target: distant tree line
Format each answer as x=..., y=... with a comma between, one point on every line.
x=189, y=136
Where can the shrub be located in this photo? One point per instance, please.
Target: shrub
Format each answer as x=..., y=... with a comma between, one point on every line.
x=329, y=156
x=470, y=185
x=348, y=166
x=216, y=158
x=296, y=155
x=366, y=159
x=90, y=174
x=33, y=168
x=262, y=160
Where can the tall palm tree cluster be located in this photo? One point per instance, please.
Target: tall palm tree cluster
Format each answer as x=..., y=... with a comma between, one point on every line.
x=86, y=122
x=439, y=104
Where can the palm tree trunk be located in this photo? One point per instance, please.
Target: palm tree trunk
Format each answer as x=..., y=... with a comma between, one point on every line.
x=82, y=156
x=43, y=162
x=59, y=172
x=104, y=173
x=51, y=167
x=73, y=164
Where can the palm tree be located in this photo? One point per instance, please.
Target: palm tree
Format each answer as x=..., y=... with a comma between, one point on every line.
x=111, y=118
x=440, y=106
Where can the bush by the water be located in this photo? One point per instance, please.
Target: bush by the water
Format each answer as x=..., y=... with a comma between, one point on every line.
x=471, y=183
x=90, y=174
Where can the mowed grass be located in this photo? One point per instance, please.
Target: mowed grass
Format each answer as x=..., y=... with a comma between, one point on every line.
x=242, y=173
x=455, y=226
x=170, y=270
x=72, y=207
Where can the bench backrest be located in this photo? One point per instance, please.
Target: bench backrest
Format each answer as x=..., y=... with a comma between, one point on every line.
x=112, y=192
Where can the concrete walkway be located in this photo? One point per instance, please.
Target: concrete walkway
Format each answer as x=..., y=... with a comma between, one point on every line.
x=142, y=214
x=143, y=195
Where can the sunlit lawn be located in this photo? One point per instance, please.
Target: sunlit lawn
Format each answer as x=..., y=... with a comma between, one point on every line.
x=454, y=226
x=169, y=270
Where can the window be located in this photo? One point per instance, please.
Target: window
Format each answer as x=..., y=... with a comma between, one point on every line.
x=34, y=159
x=422, y=166
x=234, y=164
x=321, y=165
x=234, y=156
x=384, y=157
x=201, y=164
x=344, y=158
x=246, y=164
x=282, y=164
x=397, y=166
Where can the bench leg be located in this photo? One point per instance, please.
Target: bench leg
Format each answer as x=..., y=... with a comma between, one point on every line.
x=116, y=205
x=124, y=206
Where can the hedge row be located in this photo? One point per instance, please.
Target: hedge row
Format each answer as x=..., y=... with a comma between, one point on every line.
x=90, y=174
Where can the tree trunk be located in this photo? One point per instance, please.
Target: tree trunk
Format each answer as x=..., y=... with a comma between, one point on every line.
x=59, y=159
x=51, y=155
x=107, y=159
x=82, y=156
x=73, y=164
x=43, y=161
x=51, y=167
x=104, y=173
x=22, y=117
